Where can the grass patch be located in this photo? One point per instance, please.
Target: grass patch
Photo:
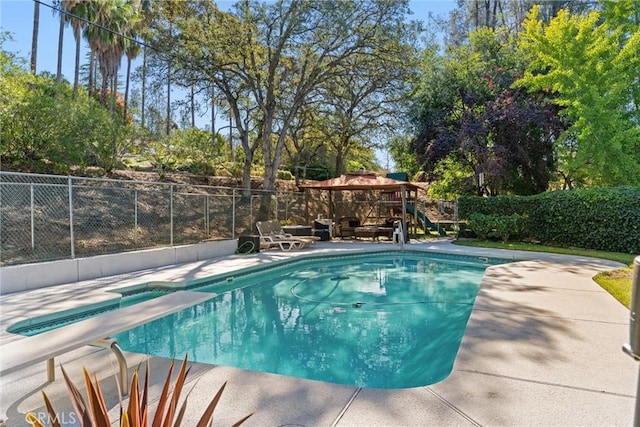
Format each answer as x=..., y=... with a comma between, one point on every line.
x=521, y=246
x=616, y=282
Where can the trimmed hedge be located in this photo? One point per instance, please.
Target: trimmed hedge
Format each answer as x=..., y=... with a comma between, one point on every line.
x=503, y=227
x=605, y=219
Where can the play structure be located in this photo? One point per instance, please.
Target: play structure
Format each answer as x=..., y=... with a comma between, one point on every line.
x=390, y=206
x=390, y=202
x=425, y=221
x=397, y=201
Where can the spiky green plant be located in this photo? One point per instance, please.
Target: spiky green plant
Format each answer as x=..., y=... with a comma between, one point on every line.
x=137, y=413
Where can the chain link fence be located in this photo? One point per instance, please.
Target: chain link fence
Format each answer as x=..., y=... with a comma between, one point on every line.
x=45, y=218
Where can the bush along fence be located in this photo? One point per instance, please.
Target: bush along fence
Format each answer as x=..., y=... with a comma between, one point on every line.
x=48, y=217
x=605, y=219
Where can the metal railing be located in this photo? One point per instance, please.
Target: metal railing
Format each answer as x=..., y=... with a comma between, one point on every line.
x=47, y=217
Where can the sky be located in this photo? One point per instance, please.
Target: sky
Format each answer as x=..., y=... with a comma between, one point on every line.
x=16, y=17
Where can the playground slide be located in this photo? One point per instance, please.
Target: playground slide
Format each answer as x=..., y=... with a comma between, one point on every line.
x=422, y=217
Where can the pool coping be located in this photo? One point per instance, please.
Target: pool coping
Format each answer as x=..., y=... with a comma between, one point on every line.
x=543, y=346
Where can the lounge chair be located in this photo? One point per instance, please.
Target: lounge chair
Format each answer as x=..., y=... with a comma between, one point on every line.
x=268, y=242
x=270, y=238
x=277, y=230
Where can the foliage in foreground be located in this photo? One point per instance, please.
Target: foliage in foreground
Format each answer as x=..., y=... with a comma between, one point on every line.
x=167, y=413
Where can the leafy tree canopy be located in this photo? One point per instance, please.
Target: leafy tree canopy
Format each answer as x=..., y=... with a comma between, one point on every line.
x=470, y=121
x=590, y=66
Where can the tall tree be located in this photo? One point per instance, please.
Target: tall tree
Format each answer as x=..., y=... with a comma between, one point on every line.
x=75, y=12
x=282, y=51
x=592, y=69
x=112, y=18
x=362, y=104
x=58, y=9
x=34, y=36
x=162, y=60
x=132, y=50
x=131, y=45
x=470, y=15
x=469, y=121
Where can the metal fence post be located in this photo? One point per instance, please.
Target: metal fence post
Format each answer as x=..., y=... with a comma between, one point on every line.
x=286, y=216
x=135, y=217
x=33, y=231
x=206, y=215
x=171, y=215
x=251, y=208
x=233, y=215
x=71, y=235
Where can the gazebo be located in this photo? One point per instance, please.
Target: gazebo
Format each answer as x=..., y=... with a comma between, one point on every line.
x=364, y=181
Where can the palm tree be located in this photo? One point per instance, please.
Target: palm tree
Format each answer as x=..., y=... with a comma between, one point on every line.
x=111, y=18
x=34, y=37
x=132, y=48
x=58, y=9
x=76, y=13
x=132, y=51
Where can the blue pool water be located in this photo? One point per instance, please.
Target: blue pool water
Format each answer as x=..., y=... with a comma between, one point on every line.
x=394, y=320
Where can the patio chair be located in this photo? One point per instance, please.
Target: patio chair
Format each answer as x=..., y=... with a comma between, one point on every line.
x=346, y=226
x=269, y=239
x=277, y=230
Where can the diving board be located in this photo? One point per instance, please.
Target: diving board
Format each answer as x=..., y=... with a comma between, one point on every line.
x=27, y=351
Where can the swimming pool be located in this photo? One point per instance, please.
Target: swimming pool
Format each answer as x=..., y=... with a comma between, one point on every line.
x=387, y=320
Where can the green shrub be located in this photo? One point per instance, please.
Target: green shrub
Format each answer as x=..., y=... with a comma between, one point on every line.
x=313, y=171
x=285, y=175
x=605, y=219
x=501, y=227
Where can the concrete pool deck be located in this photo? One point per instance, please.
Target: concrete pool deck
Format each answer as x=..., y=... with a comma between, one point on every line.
x=542, y=347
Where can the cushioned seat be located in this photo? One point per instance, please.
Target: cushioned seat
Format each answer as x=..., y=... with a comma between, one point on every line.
x=346, y=226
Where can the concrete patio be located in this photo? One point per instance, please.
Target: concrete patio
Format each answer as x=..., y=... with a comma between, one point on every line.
x=542, y=348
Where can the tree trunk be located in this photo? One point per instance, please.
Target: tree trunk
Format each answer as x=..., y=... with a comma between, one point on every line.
x=192, y=100
x=143, y=83
x=476, y=15
x=76, y=71
x=248, y=153
x=169, y=92
x=126, y=91
x=487, y=13
x=213, y=116
x=60, y=43
x=168, y=128
x=34, y=36
x=91, y=85
x=114, y=94
x=246, y=172
x=339, y=163
x=103, y=93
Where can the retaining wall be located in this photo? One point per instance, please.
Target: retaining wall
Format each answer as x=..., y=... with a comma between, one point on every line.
x=25, y=277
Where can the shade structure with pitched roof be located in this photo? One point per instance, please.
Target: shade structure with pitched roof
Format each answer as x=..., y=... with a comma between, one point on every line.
x=361, y=182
